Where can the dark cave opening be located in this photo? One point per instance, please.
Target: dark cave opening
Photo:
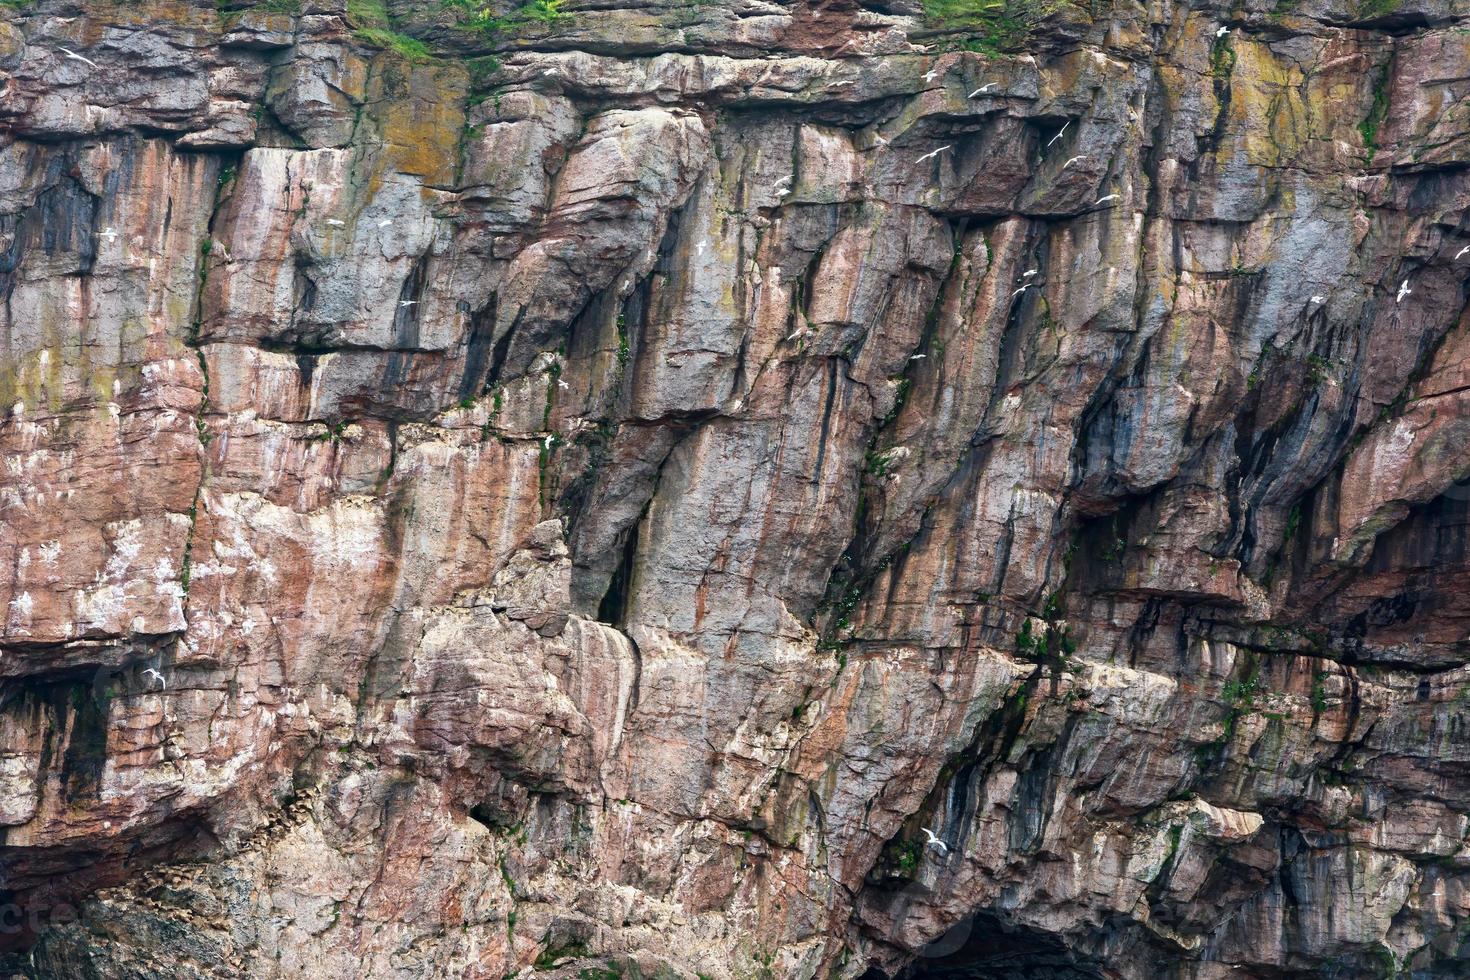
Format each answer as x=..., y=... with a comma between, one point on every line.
x=986, y=947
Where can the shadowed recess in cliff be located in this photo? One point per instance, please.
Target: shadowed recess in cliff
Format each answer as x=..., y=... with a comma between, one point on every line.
x=984, y=947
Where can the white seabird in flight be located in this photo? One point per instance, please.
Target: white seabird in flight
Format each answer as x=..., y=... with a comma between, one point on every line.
x=76, y=57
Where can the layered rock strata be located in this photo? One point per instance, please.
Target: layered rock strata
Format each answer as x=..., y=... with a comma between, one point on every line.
x=583, y=490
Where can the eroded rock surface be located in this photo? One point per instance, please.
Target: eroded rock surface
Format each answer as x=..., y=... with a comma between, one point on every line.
x=588, y=496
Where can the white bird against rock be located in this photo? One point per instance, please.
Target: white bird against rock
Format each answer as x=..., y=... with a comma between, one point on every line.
x=934, y=841
x=1222, y=32
x=408, y=302
x=1020, y=291
x=784, y=180
x=335, y=223
x=549, y=440
x=840, y=84
x=1319, y=300
x=917, y=357
x=931, y=74
x=1029, y=273
x=1404, y=290
x=1462, y=251
x=1082, y=156
x=150, y=672
x=108, y=233
x=1104, y=200
x=76, y=57
x=936, y=153
x=987, y=85
x=385, y=222
x=1059, y=133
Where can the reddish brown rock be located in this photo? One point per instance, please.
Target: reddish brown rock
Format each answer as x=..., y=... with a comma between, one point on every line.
x=604, y=506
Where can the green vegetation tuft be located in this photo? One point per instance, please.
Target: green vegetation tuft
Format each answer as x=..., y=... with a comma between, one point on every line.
x=550, y=956
x=266, y=6
x=908, y=858
x=373, y=25
x=481, y=18
x=994, y=26
x=1369, y=9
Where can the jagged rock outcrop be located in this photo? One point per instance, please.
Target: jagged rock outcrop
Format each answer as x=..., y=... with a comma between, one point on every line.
x=582, y=489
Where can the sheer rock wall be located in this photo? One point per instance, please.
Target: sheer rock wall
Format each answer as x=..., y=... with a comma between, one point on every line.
x=592, y=507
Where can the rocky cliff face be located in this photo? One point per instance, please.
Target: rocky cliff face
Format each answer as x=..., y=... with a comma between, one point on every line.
x=583, y=488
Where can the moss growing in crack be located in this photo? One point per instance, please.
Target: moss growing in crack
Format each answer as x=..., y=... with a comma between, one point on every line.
x=497, y=402
x=1240, y=695
x=1026, y=642
x=510, y=888
x=993, y=26
x=1293, y=524
x=554, y=373
x=877, y=463
x=624, y=348
x=1377, y=112
x=1222, y=59
x=900, y=397
x=1176, y=834
x=1317, y=366
x=186, y=563
x=332, y=433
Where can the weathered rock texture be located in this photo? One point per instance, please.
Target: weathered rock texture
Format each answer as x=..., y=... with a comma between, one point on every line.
x=589, y=509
